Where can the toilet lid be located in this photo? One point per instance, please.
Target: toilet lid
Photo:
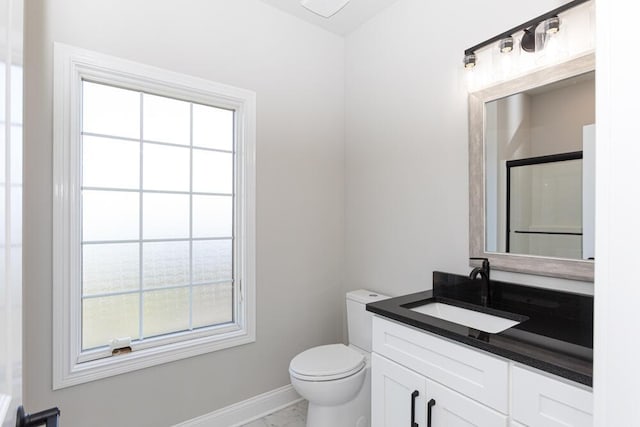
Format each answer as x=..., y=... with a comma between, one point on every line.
x=327, y=362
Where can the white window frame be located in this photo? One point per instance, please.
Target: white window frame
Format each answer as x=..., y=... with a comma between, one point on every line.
x=71, y=66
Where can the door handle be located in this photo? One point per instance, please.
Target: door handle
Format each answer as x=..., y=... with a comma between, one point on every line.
x=430, y=405
x=415, y=394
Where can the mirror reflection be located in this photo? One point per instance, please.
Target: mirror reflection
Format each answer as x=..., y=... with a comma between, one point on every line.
x=539, y=170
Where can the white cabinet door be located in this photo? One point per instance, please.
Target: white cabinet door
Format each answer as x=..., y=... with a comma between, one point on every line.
x=542, y=401
x=452, y=409
x=392, y=390
x=474, y=373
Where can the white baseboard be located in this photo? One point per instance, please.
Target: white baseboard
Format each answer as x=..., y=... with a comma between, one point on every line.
x=246, y=411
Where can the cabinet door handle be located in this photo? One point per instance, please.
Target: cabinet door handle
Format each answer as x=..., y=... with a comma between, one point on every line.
x=430, y=405
x=415, y=394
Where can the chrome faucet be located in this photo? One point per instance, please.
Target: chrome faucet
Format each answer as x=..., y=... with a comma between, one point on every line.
x=484, y=271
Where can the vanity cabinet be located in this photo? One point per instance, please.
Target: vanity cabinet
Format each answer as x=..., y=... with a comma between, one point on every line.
x=470, y=387
x=452, y=409
x=399, y=394
x=401, y=397
x=539, y=400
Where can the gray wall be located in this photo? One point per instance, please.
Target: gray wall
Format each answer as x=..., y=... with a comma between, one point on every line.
x=297, y=71
x=556, y=126
x=406, y=142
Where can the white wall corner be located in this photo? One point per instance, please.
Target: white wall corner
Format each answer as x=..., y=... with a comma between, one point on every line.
x=248, y=410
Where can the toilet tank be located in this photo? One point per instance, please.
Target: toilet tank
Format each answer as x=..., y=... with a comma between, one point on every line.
x=359, y=319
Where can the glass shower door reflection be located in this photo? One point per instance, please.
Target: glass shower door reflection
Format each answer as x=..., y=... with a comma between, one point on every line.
x=544, y=206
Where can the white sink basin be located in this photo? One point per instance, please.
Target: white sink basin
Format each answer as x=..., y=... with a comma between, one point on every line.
x=462, y=316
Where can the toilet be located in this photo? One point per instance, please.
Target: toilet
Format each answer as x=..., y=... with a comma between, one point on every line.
x=335, y=378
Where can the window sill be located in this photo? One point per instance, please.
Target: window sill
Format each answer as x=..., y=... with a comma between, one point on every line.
x=84, y=372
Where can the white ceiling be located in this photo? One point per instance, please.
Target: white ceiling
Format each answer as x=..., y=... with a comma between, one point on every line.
x=355, y=13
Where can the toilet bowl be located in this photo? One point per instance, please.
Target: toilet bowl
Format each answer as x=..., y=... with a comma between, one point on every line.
x=335, y=378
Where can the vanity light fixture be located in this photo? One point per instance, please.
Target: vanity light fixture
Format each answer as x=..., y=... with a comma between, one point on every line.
x=506, y=44
x=469, y=60
x=550, y=23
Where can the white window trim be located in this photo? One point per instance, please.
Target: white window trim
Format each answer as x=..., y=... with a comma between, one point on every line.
x=71, y=66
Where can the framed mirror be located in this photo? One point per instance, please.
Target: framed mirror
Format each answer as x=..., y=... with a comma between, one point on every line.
x=532, y=172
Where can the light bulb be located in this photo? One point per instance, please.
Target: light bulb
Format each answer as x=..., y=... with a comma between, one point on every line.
x=469, y=60
x=506, y=45
x=551, y=25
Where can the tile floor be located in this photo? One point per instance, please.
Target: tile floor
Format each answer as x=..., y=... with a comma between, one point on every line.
x=291, y=416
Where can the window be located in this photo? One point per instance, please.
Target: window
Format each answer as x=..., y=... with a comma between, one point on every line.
x=154, y=216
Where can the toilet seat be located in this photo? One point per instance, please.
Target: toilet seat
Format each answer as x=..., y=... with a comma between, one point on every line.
x=327, y=363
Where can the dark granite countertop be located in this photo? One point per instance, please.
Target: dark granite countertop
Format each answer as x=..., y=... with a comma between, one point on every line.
x=555, y=334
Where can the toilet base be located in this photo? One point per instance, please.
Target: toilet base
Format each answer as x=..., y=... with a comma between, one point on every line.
x=355, y=413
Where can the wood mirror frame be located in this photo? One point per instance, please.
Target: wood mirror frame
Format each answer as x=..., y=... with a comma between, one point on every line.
x=543, y=266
